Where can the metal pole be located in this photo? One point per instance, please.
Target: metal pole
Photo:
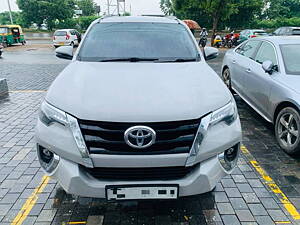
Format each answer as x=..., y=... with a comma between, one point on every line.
x=108, y=3
x=11, y=19
x=118, y=7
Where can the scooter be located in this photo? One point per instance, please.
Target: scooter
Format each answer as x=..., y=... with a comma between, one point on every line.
x=203, y=41
x=217, y=41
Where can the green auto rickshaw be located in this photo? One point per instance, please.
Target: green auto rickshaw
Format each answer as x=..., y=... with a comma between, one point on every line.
x=11, y=34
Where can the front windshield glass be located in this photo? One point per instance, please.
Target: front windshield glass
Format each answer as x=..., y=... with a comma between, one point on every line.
x=138, y=40
x=291, y=56
x=3, y=30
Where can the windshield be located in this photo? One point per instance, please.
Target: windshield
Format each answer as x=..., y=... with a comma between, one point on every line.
x=291, y=56
x=3, y=30
x=60, y=33
x=160, y=41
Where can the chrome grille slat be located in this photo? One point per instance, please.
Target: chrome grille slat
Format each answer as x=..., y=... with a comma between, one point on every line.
x=108, y=137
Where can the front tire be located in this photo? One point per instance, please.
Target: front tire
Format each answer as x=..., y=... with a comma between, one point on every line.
x=287, y=128
x=226, y=77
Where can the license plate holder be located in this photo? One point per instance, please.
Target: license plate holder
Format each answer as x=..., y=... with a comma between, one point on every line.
x=140, y=192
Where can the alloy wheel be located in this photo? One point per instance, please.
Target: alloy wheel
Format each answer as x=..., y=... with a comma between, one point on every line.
x=288, y=130
x=226, y=77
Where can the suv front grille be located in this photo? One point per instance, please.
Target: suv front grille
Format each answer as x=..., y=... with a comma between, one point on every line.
x=156, y=173
x=108, y=137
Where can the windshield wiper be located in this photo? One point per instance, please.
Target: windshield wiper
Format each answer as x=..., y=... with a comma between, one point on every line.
x=131, y=59
x=177, y=60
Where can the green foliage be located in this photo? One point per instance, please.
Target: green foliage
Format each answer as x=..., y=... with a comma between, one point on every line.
x=46, y=11
x=88, y=7
x=85, y=21
x=248, y=10
x=167, y=6
x=282, y=9
x=275, y=23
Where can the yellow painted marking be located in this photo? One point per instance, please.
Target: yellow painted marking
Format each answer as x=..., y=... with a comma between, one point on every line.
x=77, y=222
x=186, y=218
x=28, y=91
x=272, y=186
x=30, y=202
x=283, y=222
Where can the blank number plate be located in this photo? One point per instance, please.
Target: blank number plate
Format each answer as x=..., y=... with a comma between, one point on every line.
x=143, y=192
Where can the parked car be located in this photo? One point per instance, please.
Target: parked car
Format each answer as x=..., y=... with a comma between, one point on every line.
x=138, y=114
x=265, y=72
x=287, y=31
x=66, y=37
x=247, y=34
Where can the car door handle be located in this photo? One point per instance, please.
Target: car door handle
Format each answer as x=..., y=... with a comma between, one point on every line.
x=248, y=70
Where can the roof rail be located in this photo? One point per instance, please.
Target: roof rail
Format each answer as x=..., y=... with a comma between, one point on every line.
x=166, y=16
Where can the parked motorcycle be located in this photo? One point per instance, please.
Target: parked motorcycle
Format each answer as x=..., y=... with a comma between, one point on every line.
x=231, y=40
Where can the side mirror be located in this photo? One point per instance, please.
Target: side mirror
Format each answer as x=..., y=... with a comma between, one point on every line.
x=64, y=52
x=268, y=66
x=210, y=53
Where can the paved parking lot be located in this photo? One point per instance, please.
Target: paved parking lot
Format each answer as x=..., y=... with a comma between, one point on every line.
x=264, y=189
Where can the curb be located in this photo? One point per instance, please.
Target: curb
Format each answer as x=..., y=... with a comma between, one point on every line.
x=3, y=87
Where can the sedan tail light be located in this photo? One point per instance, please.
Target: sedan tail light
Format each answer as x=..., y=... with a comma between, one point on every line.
x=253, y=36
x=67, y=37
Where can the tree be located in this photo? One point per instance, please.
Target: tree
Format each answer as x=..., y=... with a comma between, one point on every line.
x=46, y=11
x=248, y=11
x=203, y=11
x=88, y=7
x=167, y=7
x=282, y=9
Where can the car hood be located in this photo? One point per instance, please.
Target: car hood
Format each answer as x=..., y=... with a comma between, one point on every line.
x=291, y=81
x=138, y=92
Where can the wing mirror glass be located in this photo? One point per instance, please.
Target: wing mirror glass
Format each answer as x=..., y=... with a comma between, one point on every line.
x=64, y=52
x=210, y=53
x=268, y=66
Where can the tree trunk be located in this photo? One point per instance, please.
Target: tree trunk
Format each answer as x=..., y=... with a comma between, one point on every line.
x=214, y=29
x=216, y=18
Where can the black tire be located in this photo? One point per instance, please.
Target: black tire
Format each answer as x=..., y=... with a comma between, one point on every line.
x=72, y=44
x=287, y=131
x=226, y=77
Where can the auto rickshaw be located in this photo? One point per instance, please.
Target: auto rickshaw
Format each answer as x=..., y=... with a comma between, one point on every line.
x=11, y=34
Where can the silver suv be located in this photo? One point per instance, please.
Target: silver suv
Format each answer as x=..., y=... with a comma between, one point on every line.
x=138, y=114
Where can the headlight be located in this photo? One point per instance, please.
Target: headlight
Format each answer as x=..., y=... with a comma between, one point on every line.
x=49, y=115
x=227, y=114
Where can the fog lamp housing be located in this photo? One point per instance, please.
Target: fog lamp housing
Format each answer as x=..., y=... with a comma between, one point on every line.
x=48, y=159
x=228, y=159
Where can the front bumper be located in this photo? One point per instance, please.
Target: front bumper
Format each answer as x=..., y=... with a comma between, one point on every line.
x=76, y=181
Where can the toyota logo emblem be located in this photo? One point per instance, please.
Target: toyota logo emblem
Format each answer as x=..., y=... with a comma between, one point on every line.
x=140, y=137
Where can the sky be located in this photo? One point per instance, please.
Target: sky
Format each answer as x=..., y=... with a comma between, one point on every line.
x=138, y=7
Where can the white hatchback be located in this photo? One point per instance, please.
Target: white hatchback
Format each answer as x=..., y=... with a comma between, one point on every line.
x=66, y=37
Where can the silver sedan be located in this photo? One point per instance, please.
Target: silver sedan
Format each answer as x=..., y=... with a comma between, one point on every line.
x=265, y=72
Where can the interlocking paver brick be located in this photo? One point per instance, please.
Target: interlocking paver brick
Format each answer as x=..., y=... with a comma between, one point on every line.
x=264, y=220
x=245, y=215
x=233, y=192
x=230, y=220
x=238, y=203
x=257, y=209
x=225, y=208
